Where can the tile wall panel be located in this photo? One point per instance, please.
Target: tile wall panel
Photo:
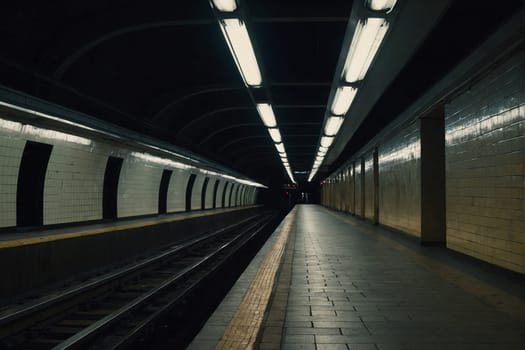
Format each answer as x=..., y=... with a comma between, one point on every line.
x=369, y=186
x=220, y=190
x=230, y=198
x=485, y=157
x=138, y=189
x=74, y=182
x=196, y=193
x=11, y=149
x=351, y=189
x=400, y=180
x=253, y=195
x=341, y=192
x=346, y=190
x=177, y=190
x=208, y=202
x=238, y=195
x=358, y=188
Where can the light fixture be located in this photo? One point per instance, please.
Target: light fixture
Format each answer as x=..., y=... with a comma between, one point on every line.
x=333, y=124
x=326, y=141
x=323, y=149
x=280, y=147
x=344, y=96
x=236, y=35
x=368, y=35
x=266, y=113
x=381, y=5
x=225, y=5
x=275, y=135
x=321, y=153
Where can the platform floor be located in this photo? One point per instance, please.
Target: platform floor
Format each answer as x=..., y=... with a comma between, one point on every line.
x=346, y=284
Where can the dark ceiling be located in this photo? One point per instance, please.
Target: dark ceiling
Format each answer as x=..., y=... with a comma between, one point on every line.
x=164, y=69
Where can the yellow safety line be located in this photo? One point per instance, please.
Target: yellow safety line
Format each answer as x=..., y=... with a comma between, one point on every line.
x=89, y=232
x=490, y=295
x=243, y=328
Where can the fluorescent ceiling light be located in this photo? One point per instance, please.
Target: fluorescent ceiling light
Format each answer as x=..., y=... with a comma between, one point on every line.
x=368, y=35
x=266, y=113
x=275, y=135
x=241, y=48
x=333, y=124
x=280, y=147
x=326, y=141
x=381, y=5
x=323, y=149
x=225, y=5
x=344, y=96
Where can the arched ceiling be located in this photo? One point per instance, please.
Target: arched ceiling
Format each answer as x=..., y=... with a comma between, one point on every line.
x=163, y=68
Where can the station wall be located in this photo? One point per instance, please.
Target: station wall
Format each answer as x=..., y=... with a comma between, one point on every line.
x=485, y=164
x=483, y=141
x=74, y=177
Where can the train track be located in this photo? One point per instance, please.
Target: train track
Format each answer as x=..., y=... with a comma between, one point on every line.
x=114, y=310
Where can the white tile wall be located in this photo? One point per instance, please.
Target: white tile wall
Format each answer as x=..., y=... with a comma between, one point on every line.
x=11, y=149
x=74, y=182
x=177, y=190
x=249, y=196
x=209, y=192
x=485, y=157
x=196, y=200
x=240, y=199
x=233, y=194
x=358, y=189
x=138, y=190
x=400, y=180
x=369, y=186
x=75, y=178
x=220, y=190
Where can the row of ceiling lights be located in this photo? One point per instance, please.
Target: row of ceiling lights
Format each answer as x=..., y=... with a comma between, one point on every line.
x=367, y=38
x=238, y=39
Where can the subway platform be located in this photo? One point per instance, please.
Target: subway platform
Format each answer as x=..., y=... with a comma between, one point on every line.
x=327, y=280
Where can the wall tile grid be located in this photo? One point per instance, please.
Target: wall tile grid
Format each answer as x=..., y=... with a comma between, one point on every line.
x=351, y=188
x=209, y=192
x=348, y=190
x=369, y=186
x=485, y=157
x=196, y=199
x=400, y=181
x=358, y=188
x=342, y=191
x=232, y=193
x=75, y=177
x=220, y=190
x=11, y=149
x=138, y=190
x=74, y=182
x=253, y=195
x=176, y=201
x=227, y=191
x=239, y=195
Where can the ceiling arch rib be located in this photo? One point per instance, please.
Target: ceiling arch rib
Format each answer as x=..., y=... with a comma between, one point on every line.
x=221, y=149
x=69, y=61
